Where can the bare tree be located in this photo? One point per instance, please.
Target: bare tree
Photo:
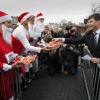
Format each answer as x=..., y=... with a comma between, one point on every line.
x=95, y=7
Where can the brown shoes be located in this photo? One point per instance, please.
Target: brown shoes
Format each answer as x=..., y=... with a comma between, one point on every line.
x=65, y=72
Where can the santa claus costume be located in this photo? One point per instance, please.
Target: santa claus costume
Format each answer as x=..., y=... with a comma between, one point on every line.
x=21, y=36
x=38, y=28
x=35, y=32
x=6, y=56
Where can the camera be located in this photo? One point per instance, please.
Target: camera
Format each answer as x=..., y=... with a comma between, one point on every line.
x=72, y=31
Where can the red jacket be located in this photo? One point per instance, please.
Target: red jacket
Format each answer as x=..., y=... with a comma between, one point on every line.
x=17, y=45
x=4, y=49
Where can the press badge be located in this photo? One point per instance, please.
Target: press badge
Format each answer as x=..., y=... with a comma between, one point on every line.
x=10, y=56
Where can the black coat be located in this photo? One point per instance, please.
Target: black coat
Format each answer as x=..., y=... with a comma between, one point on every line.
x=61, y=34
x=88, y=39
x=56, y=35
x=74, y=36
x=67, y=35
x=69, y=55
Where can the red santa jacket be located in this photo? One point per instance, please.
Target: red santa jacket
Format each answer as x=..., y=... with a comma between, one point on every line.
x=17, y=45
x=6, y=53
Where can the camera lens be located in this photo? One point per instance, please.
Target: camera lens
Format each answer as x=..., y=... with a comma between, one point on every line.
x=72, y=31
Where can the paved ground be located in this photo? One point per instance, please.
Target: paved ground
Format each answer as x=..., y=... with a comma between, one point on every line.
x=57, y=87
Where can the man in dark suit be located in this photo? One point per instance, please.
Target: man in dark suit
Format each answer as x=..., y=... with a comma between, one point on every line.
x=91, y=37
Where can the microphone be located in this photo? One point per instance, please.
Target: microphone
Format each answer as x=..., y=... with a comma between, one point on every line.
x=39, y=38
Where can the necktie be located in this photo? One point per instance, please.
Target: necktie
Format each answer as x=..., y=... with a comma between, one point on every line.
x=95, y=39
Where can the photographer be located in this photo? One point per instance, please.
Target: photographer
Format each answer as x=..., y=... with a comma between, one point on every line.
x=69, y=53
x=73, y=33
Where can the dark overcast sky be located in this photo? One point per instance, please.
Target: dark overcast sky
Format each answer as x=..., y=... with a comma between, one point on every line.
x=53, y=10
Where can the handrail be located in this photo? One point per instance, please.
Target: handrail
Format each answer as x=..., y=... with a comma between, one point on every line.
x=91, y=73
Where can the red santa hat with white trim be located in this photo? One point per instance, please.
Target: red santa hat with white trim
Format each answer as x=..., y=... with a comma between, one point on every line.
x=24, y=16
x=39, y=16
x=4, y=17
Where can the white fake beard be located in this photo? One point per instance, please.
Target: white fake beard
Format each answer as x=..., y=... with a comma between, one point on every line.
x=30, y=29
x=6, y=34
x=40, y=26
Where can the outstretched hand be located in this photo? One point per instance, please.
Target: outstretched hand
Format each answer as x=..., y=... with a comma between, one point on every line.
x=17, y=64
x=57, y=39
x=35, y=39
x=95, y=60
x=45, y=49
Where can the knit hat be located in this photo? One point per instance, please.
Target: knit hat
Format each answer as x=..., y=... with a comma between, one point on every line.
x=4, y=17
x=24, y=16
x=39, y=16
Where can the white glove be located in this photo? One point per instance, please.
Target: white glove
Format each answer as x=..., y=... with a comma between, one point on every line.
x=6, y=67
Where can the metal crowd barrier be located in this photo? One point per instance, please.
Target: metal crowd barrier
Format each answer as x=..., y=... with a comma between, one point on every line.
x=18, y=92
x=91, y=73
x=16, y=89
x=3, y=84
x=17, y=78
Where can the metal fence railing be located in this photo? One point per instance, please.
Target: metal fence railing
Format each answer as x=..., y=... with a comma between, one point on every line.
x=16, y=89
x=91, y=73
x=2, y=77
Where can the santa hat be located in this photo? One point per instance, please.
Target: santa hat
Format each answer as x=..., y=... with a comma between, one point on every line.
x=24, y=16
x=39, y=16
x=4, y=17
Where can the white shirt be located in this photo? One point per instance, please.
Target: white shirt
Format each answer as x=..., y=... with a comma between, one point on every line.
x=97, y=36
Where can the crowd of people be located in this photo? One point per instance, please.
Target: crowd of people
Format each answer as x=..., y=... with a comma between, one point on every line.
x=29, y=38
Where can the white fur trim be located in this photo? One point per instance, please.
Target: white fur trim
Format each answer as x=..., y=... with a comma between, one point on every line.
x=18, y=23
x=5, y=18
x=6, y=67
x=25, y=17
x=39, y=17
